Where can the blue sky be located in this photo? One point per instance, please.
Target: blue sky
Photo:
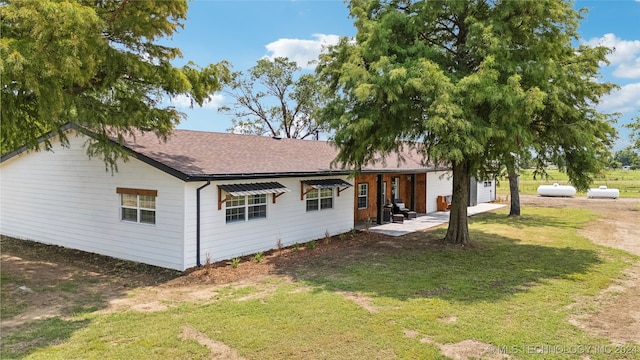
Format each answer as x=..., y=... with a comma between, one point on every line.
x=243, y=32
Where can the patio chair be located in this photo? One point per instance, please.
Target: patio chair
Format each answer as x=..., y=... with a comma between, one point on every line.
x=400, y=208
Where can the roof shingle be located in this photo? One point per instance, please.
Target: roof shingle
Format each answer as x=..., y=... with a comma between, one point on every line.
x=199, y=153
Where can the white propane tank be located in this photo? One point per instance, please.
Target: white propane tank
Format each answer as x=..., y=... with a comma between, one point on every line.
x=603, y=192
x=556, y=190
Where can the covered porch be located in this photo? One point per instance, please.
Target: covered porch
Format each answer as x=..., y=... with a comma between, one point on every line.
x=375, y=194
x=422, y=221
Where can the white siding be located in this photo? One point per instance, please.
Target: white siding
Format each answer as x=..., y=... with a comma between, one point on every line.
x=486, y=193
x=438, y=183
x=287, y=221
x=62, y=197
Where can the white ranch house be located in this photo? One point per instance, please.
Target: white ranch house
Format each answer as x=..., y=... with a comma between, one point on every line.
x=201, y=195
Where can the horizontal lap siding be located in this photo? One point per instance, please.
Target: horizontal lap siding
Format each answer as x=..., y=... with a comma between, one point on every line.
x=486, y=194
x=438, y=183
x=64, y=198
x=287, y=220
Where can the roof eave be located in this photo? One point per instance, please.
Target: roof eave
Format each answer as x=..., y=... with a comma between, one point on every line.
x=40, y=140
x=242, y=176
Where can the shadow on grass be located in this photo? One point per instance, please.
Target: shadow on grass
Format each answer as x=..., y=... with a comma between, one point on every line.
x=40, y=280
x=39, y=334
x=500, y=267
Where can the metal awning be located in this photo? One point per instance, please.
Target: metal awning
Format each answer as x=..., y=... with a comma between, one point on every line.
x=323, y=184
x=274, y=188
x=327, y=183
x=254, y=189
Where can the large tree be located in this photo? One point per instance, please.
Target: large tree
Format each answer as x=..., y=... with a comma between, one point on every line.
x=564, y=129
x=270, y=100
x=97, y=64
x=469, y=83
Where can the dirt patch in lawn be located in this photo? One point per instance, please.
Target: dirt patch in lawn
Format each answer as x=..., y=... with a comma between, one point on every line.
x=617, y=314
x=463, y=350
x=218, y=350
x=40, y=281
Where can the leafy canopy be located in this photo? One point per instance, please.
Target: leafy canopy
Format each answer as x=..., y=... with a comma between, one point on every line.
x=467, y=83
x=97, y=64
x=634, y=125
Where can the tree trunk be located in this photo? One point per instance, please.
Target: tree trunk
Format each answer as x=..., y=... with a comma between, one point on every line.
x=513, y=189
x=458, y=231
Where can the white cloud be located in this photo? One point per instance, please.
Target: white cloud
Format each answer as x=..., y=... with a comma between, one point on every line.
x=301, y=51
x=629, y=71
x=624, y=100
x=625, y=57
x=183, y=101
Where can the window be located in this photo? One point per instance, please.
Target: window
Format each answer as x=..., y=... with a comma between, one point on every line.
x=363, y=194
x=138, y=208
x=320, y=199
x=243, y=208
x=326, y=199
x=257, y=205
x=236, y=209
x=487, y=183
x=312, y=200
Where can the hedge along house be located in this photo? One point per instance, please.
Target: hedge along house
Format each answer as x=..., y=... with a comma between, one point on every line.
x=200, y=196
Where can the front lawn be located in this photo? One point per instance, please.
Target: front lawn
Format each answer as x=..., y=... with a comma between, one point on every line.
x=513, y=292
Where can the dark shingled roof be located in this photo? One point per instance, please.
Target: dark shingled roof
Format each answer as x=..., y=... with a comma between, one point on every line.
x=200, y=154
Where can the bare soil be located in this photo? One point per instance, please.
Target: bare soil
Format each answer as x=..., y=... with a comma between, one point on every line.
x=97, y=283
x=617, y=314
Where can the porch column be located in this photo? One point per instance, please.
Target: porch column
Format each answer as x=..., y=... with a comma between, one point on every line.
x=379, y=201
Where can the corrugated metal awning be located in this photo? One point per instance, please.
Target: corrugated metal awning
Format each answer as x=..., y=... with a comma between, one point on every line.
x=327, y=183
x=254, y=189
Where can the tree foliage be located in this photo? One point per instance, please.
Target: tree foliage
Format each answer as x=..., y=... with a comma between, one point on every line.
x=627, y=157
x=634, y=125
x=470, y=83
x=97, y=64
x=270, y=100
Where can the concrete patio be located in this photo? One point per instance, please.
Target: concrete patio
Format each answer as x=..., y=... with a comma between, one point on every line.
x=425, y=221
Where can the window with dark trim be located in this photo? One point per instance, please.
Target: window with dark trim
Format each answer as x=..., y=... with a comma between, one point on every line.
x=319, y=199
x=363, y=195
x=244, y=208
x=487, y=183
x=138, y=205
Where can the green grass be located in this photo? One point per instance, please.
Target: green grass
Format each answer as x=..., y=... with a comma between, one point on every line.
x=627, y=181
x=513, y=288
x=8, y=306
